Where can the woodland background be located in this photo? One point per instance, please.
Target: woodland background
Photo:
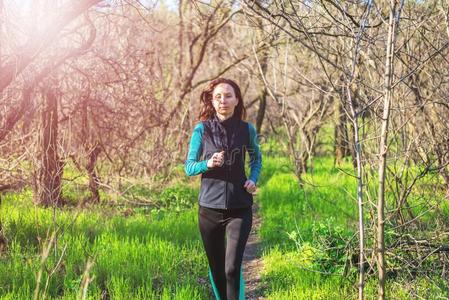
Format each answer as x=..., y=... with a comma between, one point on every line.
x=98, y=100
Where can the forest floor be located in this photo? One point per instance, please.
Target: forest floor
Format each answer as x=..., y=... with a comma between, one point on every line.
x=252, y=261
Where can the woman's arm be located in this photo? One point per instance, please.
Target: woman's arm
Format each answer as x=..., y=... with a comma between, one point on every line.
x=255, y=161
x=192, y=165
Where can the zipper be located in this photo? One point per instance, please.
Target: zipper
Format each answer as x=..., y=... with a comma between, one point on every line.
x=228, y=168
x=226, y=199
x=227, y=177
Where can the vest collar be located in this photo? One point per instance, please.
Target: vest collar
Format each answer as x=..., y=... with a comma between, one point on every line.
x=232, y=121
x=226, y=130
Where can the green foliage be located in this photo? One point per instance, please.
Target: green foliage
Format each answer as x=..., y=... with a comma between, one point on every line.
x=306, y=233
x=178, y=197
x=156, y=255
x=325, y=140
x=271, y=147
x=328, y=253
x=285, y=207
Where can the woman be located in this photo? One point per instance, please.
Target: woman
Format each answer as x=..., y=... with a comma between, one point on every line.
x=217, y=152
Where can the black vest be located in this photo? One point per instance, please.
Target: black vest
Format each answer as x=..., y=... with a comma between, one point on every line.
x=222, y=187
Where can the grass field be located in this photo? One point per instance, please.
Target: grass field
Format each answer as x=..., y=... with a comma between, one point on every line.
x=155, y=252
x=137, y=254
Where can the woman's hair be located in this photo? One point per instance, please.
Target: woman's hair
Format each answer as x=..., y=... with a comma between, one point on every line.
x=207, y=109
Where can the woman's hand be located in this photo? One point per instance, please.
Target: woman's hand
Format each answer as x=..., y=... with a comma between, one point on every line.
x=250, y=186
x=216, y=160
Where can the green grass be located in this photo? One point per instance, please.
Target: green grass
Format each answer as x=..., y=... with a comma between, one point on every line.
x=143, y=255
x=145, y=242
x=286, y=208
x=304, y=234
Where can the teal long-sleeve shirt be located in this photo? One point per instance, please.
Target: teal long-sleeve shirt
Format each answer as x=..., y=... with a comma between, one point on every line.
x=193, y=166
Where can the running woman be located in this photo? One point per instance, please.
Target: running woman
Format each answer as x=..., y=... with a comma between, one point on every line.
x=217, y=152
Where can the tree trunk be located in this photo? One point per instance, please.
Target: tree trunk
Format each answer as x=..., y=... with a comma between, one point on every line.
x=341, y=146
x=304, y=159
x=261, y=110
x=445, y=175
x=3, y=241
x=93, y=177
x=264, y=92
x=442, y=164
x=359, y=168
x=51, y=168
x=388, y=94
x=92, y=153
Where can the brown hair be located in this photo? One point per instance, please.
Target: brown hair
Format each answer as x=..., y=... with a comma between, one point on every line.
x=207, y=109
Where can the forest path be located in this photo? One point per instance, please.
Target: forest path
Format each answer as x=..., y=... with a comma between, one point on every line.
x=252, y=261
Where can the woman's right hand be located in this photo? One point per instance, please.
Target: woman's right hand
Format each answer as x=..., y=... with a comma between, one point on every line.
x=216, y=160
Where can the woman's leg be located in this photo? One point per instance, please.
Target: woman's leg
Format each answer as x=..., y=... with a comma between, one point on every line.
x=213, y=236
x=237, y=232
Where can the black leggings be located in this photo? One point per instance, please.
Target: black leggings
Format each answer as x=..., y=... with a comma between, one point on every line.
x=225, y=261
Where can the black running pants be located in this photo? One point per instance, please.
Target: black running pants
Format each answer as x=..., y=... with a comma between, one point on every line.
x=225, y=255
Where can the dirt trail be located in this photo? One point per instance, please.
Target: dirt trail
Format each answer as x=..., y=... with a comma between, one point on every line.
x=252, y=262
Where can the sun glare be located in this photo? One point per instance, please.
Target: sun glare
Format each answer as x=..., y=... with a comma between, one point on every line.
x=26, y=18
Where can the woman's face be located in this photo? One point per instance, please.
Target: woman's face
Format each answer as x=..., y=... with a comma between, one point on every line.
x=224, y=99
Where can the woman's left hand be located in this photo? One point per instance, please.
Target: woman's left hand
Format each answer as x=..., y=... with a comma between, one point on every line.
x=250, y=186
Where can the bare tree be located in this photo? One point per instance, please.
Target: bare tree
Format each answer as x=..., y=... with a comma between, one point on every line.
x=15, y=63
x=393, y=20
x=51, y=169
